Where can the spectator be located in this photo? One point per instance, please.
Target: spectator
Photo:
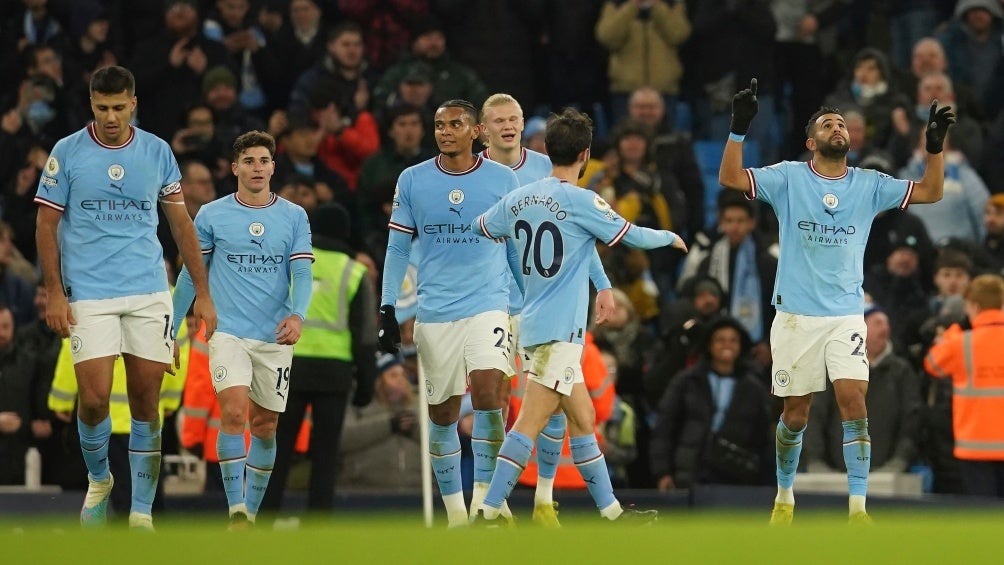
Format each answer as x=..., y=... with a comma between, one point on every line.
x=91, y=48
x=898, y=288
x=745, y=269
x=346, y=140
x=298, y=156
x=993, y=222
x=971, y=359
x=23, y=417
x=379, y=448
x=18, y=206
x=197, y=181
x=684, y=325
x=16, y=294
x=671, y=150
x=972, y=43
x=197, y=140
x=620, y=432
x=230, y=118
x=906, y=126
x=893, y=400
x=713, y=425
x=405, y=131
x=170, y=66
x=959, y=214
x=533, y=134
x=298, y=45
x=642, y=37
x=232, y=23
x=871, y=91
x=343, y=67
x=387, y=25
x=451, y=79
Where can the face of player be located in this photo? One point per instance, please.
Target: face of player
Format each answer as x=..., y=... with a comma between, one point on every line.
x=406, y=133
x=455, y=131
x=254, y=169
x=112, y=113
x=504, y=125
x=347, y=49
x=830, y=137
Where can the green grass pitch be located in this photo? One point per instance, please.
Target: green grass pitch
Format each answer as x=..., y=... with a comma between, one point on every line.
x=679, y=537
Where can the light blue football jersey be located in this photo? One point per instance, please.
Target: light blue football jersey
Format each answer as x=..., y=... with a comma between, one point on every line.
x=555, y=226
x=460, y=273
x=532, y=166
x=108, y=196
x=824, y=224
x=250, y=249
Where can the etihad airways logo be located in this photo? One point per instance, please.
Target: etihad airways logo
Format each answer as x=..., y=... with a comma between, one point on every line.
x=826, y=234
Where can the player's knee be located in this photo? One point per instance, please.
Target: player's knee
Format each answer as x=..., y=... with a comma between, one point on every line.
x=92, y=409
x=263, y=427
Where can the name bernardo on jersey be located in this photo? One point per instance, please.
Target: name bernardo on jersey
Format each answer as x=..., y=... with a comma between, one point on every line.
x=547, y=202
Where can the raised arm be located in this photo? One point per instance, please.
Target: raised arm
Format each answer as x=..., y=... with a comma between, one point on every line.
x=932, y=187
x=744, y=108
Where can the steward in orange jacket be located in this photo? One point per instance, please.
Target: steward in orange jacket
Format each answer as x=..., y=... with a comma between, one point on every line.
x=973, y=360
x=601, y=390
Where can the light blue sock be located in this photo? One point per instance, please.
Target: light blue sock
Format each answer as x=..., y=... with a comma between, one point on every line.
x=144, y=463
x=94, y=446
x=486, y=439
x=513, y=455
x=230, y=450
x=444, y=447
x=593, y=468
x=549, y=444
x=788, y=446
x=261, y=459
x=857, y=455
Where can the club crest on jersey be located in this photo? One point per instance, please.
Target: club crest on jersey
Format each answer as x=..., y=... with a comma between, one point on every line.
x=52, y=167
x=396, y=204
x=830, y=200
x=456, y=196
x=429, y=389
x=256, y=229
x=75, y=344
x=219, y=374
x=116, y=172
x=569, y=375
x=781, y=378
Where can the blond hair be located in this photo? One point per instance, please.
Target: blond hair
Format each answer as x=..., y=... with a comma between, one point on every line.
x=498, y=99
x=986, y=292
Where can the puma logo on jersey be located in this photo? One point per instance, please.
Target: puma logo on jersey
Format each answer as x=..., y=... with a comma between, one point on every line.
x=258, y=243
x=456, y=211
x=117, y=187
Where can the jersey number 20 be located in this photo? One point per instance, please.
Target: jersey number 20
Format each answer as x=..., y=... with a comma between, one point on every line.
x=525, y=231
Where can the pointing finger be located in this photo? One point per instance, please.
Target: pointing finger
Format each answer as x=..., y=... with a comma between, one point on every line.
x=753, y=86
x=934, y=110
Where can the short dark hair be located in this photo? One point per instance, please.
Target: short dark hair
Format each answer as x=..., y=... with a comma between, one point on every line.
x=341, y=28
x=734, y=199
x=113, y=80
x=815, y=116
x=953, y=259
x=399, y=111
x=253, y=138
x=567, y=135
x=466, y=106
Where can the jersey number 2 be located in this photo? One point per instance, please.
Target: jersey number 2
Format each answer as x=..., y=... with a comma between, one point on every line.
x=525, y=231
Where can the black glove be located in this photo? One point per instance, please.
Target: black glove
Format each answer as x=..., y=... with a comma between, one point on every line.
x=937, y=127
x=389, y=335
x=744, y=107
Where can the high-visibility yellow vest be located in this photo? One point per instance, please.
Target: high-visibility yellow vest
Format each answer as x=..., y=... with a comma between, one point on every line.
x=326, y=332
x=63, y=395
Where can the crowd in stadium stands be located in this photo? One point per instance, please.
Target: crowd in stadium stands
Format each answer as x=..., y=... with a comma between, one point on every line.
x=348, y=88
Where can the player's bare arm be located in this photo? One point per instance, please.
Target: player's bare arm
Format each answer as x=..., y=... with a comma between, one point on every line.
x=58, y=315
x=932, y=186
x=183, y=231
x=730, y=172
